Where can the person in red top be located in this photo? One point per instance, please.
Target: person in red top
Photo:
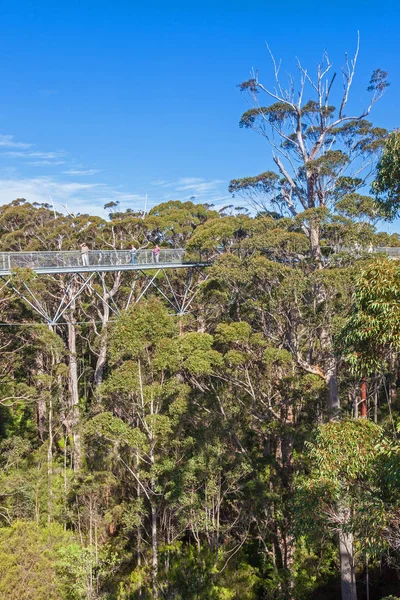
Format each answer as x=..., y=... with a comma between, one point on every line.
x=156, y=253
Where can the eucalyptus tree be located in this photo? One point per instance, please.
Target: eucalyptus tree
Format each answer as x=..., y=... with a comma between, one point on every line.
x=293, y=307
x=145, y=396
x=342, y=493
x=321, y=152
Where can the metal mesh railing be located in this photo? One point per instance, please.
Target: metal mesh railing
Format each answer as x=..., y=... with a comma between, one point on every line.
x=391, y=251
x=94, y=258
x=359, y=250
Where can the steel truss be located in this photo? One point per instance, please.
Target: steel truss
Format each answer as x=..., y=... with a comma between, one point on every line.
x=79, y=283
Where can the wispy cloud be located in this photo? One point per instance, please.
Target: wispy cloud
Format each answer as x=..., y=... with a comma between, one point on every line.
x=35, y=154
x=45, y=163
x=81, y=171
x=190, y=181
x=211, y=191
x=36, y=158
x=159, y=182
x=7, y=141
x=77, y=196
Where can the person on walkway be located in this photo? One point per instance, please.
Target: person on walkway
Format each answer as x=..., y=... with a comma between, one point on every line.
x=133, y=254
x=156, y=253
x=85, y=254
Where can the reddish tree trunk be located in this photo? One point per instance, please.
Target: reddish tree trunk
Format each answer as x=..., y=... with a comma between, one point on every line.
x=363, y=403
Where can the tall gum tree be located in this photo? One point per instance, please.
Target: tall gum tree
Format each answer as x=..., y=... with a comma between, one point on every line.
x=340, y=493
x=322, y=154
x=320, y=151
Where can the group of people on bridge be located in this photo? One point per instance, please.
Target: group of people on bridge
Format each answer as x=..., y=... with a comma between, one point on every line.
x=133, y=251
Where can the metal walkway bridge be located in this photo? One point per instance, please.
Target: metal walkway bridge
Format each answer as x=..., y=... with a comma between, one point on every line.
x=47, y=263
x=76, y=273
x=100, y=261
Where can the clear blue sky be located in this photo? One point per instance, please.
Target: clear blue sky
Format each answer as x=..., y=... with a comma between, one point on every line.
x=104, y=100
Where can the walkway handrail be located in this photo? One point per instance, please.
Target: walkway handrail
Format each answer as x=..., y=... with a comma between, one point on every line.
x=390, y=250
x=69, y=259
x=74, y=258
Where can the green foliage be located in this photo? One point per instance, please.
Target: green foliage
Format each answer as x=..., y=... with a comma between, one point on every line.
x=29, y=558
x=81, y=570
x=343, y=453
x=357, y=206
x=373, y=328
x=193, y=573
x=387, y=182
x=192, y=447
x=139, y=332
x=343, y=486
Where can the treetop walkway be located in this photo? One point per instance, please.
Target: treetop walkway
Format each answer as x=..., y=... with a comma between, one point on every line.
x=84, y=267
x=73, y=261
x=393, y=252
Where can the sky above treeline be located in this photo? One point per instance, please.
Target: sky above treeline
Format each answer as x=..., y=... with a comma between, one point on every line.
x=106, y=101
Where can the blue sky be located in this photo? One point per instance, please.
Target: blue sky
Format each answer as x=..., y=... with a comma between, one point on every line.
x=106, y=100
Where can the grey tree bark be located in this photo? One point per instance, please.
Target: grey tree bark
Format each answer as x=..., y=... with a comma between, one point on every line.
x=104, y=315
x=73, y=389
x=347, y=572
x=41, y=401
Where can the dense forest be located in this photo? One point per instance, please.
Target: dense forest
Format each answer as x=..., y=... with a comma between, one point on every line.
x=244, y=447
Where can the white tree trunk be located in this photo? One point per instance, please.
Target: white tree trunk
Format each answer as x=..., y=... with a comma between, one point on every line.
x=105, y=317
x=73, y=389
x=101, y=359
x=314, y=237
x=333, y=390
x=41, y=401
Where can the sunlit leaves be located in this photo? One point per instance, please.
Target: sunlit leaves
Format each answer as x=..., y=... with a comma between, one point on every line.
x=387, y=182
x=373, y=329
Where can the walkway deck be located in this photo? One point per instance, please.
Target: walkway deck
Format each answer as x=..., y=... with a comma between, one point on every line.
x=97, y=261
x=47, y=263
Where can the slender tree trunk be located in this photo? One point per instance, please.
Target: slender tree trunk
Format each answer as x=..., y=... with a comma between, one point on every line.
x=107, y=297
x=50, y=462
x=363, y=403
x=101, y=359
x=154, y=546
x=41, y=401
x=333, y=390
x=393, y=378
x=154, y=531
x=286, y=454
x=314, y=237
x=139, y=543
x=330, y=369
x=73, y=388
x=347, y=573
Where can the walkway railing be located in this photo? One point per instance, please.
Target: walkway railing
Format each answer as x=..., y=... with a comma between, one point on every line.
x=391, y=251
x=94, y=258
x=112, y=258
